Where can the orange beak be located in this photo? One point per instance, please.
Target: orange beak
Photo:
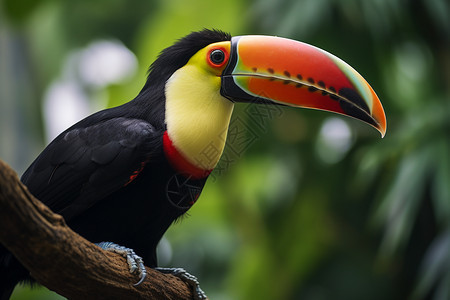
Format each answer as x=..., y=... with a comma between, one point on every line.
x=264, y=69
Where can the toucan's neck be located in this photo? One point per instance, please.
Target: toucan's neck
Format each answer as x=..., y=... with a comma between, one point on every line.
x=197, y=116
x=179, y=161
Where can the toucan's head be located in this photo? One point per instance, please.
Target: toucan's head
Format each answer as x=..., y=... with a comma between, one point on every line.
x=207, y=71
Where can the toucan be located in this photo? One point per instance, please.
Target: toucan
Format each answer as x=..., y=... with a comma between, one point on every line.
x=121, y=176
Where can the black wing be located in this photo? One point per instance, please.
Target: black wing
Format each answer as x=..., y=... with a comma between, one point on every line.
x=84, y=165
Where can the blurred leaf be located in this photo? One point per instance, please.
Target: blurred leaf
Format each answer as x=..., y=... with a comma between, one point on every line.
x=435, y=269
x=22, y=292
x=441, y=185
x=19, y=10
x=398, y=210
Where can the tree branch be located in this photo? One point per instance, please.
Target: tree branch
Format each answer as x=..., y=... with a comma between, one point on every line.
x=65, y=262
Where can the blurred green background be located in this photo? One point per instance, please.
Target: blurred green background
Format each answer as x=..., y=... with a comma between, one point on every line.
x=310, y=205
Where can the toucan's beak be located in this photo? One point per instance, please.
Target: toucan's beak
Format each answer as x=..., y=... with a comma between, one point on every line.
x=265, y=69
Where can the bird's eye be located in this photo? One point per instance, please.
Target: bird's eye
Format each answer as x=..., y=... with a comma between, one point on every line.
x=217, y=58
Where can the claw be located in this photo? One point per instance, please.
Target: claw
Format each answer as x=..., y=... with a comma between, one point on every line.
x=135, y=262
x=181, y=273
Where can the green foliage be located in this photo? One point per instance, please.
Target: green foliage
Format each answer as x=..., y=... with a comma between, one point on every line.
x=20, y=10
x=36, y=293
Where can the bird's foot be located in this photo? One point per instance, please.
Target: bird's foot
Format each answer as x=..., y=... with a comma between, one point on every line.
x=188, y=278
x=135, y=262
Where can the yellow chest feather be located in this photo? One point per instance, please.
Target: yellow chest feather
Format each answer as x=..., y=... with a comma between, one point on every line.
x=197, y=116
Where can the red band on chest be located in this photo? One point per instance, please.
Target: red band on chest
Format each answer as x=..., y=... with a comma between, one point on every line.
x=180, y=163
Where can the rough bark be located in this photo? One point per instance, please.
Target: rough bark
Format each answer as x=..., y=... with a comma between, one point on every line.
x=65, y=262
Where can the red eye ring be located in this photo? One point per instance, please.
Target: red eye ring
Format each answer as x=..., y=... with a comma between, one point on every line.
x=217, y=57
